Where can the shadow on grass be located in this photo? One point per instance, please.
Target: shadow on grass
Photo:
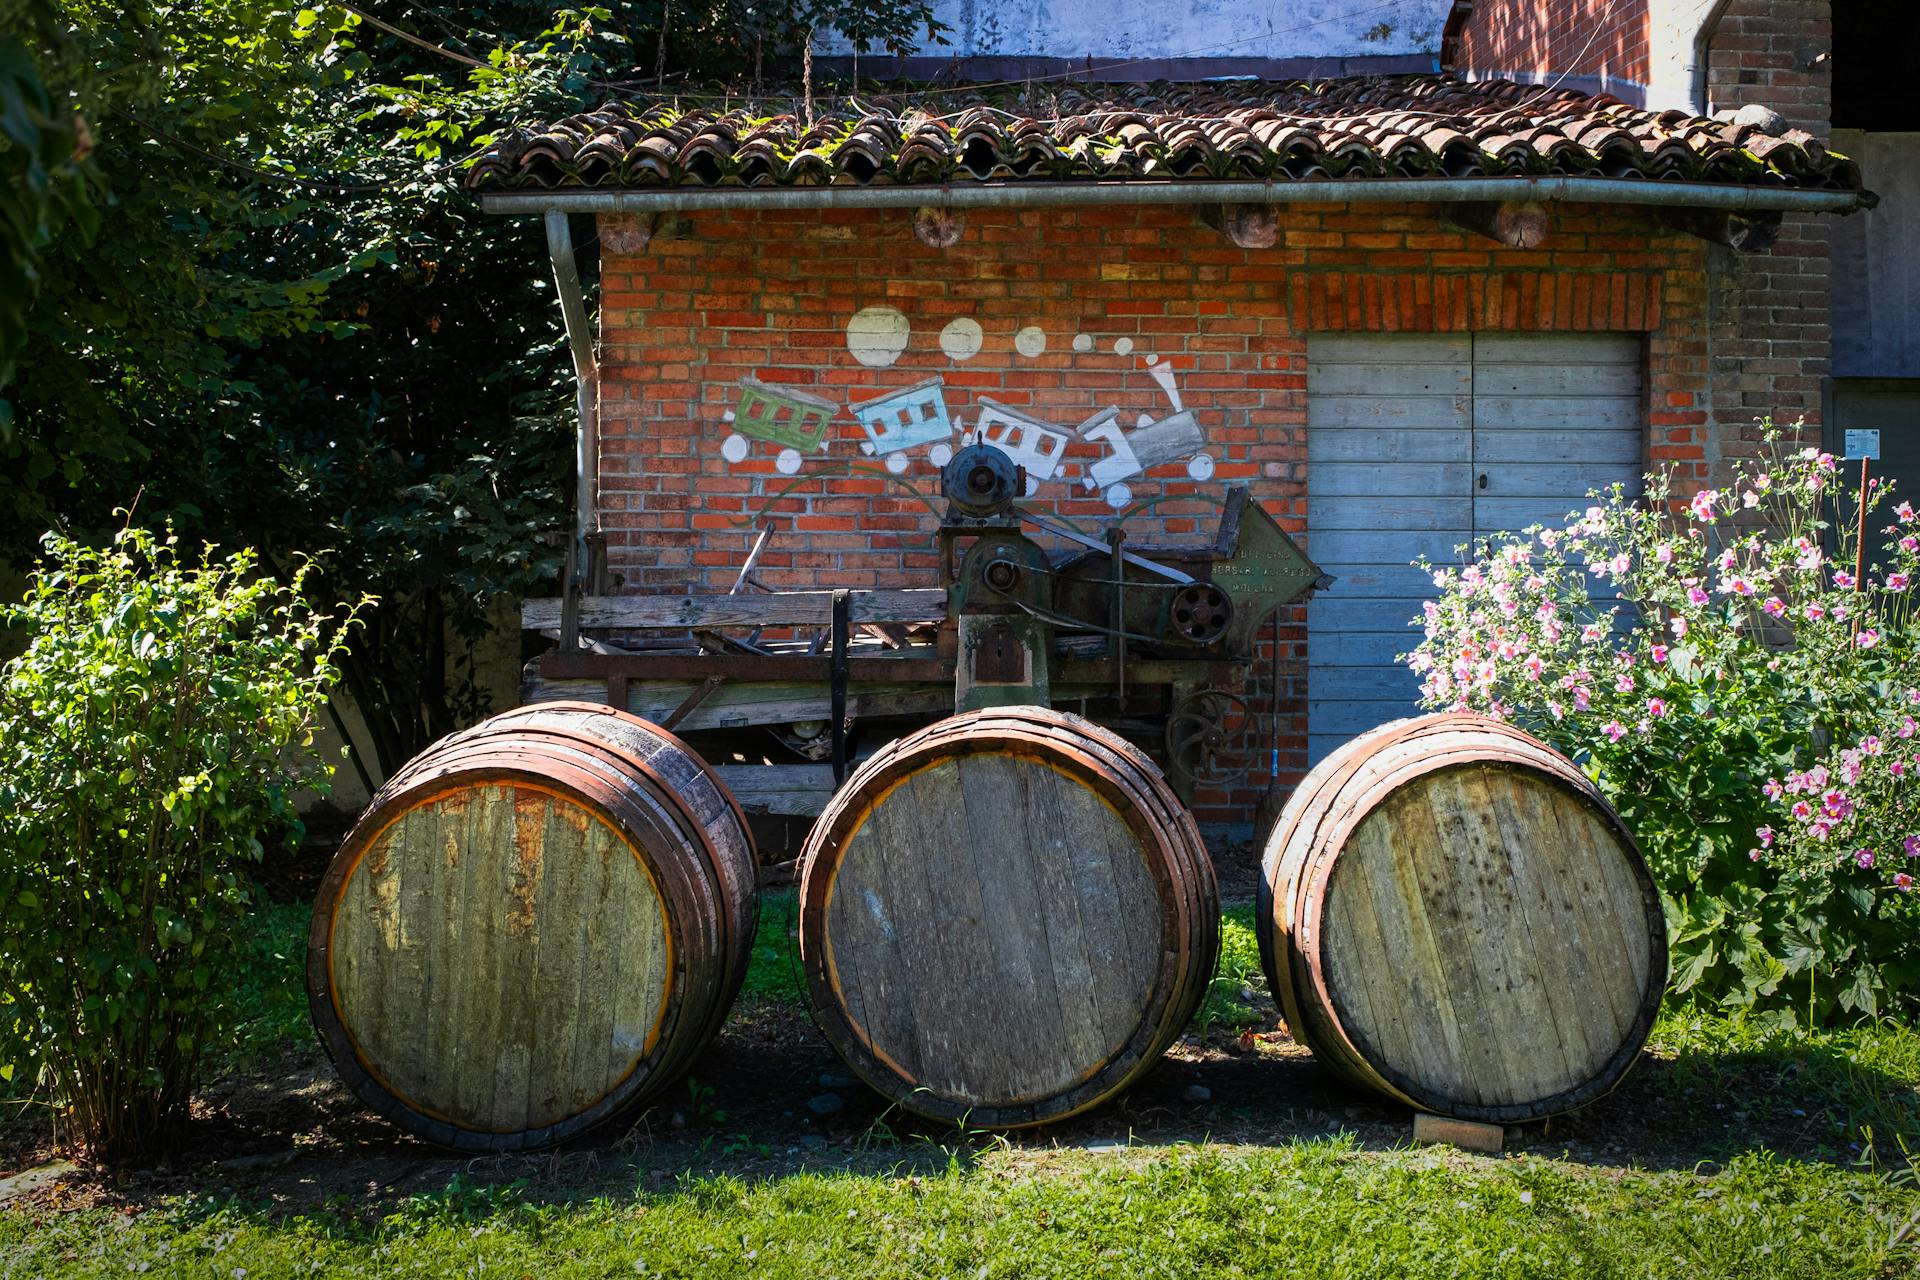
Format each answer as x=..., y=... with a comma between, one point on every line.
x=770, y=1100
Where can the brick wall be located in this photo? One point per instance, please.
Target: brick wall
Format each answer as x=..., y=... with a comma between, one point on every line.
x=1771, y=313
x=1075, y=311
x=1587, y=43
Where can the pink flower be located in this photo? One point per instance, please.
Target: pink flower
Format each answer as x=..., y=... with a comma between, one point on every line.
x=1867, y=638
x=1620, y=563
x=1907, y=726
x=1897, y=768
x=1816, y=611
x=1841, y=578
x=1555, y=710
x=1582, y=698
x=1664, y=553
x=1910, y=543
x=1802, y=810
x=1773, y=789
x=1864, y=857
x=1809, y=558
x=1820, y=829
x=1871, y=745
x=1775, y=606
x=1749, y=499
x=1533, y=666
x=1912, y=846
x=1703, y=505
x=1679, y=628
x=1837, y=804
x=1824, y=462
x=1696, y=597
x=1904, y=511
x=1656, y=707
x=1658, y=653
x=1614, y=730
x=1766, y=837
x=1897, y=582
x=1753, y=855
x=1624, y=684
x=1903, y=882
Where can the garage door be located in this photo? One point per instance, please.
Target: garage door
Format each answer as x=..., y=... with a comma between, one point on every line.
x=1418, y=443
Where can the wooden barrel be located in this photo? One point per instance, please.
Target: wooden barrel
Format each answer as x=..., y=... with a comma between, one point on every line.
x=1006, y=918
x=1451, y=914
x=538, y=923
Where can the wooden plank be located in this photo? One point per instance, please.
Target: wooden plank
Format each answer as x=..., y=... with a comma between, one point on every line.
x=1578, y=414
x=1557, y=348
x=1492, y=378
x=1330, y=445
x=1385, y=682
x=1364, y=649
x=1556, y=480
x=789, y=608
x=1390, y=377
x=795, y=790
x=1329, y=613
x=1389, y=479
x=739, y=703
x=1395, y=547
x=1594, y=446
x=1428, y=513
x=1408, y=348
x=1383, y=413
x=1400, y=581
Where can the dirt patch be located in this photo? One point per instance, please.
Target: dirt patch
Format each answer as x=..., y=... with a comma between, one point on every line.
x=769, y=1098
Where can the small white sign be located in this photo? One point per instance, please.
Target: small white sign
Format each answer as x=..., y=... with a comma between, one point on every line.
x=1863, y=444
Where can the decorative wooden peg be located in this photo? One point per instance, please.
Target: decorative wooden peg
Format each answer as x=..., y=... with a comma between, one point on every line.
x=938, y=228
x=1518, y=224
x=626, y=233
x=1748, y=232
x=1249, y=226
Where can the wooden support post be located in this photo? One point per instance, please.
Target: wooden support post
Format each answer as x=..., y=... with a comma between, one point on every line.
x=1518, y=224
x=842, y=612
x=570, y=600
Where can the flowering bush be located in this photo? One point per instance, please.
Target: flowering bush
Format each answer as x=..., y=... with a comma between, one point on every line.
x=1745, y=692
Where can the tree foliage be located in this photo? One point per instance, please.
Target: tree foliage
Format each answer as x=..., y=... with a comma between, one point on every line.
x=290, y=328
x=144, y=739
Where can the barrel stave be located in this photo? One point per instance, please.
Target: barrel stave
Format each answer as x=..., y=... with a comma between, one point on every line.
x=1022, y=901
x=578, y=916
x=1539, y=1001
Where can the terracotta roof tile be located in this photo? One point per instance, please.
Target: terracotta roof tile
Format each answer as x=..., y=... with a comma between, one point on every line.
x=1379, y=127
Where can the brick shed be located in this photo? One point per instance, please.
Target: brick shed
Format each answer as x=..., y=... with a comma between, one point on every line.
x=1404, y=312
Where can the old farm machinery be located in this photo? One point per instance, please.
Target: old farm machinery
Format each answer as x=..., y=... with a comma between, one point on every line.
x=1155, y=641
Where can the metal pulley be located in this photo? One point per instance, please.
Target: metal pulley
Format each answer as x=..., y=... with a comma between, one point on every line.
x=981, y=481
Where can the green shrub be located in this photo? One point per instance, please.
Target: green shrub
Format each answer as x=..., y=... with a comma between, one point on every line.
x=145, y=740
x=1747, y=705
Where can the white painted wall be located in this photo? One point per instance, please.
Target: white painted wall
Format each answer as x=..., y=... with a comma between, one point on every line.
x=1672, y=27
x=1182, y=28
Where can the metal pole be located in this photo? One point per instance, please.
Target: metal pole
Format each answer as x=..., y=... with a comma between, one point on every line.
x=586, y=372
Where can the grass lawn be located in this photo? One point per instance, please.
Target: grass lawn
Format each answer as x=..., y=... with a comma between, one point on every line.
x=1728, y=1153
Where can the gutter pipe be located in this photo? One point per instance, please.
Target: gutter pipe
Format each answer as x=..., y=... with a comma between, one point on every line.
x=1656, y=192
x=586, y=371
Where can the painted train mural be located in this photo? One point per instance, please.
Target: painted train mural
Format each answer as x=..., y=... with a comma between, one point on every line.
x=915, y=420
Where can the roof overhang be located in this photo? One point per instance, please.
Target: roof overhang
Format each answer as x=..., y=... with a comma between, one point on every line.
x=1648, y=192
